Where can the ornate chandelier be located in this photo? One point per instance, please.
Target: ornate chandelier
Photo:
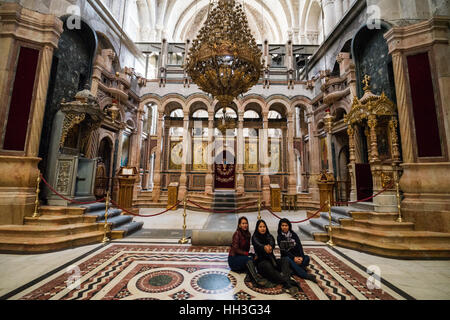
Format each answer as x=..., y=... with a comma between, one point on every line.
x=225, y=60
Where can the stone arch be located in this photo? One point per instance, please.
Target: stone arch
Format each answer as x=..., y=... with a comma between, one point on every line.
x=173, y=103
x=281, y=105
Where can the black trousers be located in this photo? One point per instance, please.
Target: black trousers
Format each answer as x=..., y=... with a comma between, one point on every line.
x=273, y=273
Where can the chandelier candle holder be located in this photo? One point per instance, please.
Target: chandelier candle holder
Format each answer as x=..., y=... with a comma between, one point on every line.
x=224, y=59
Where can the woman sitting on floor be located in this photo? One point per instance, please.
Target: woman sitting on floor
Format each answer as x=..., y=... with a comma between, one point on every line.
x=276, y=270
x=291, y=248
x=239, y=258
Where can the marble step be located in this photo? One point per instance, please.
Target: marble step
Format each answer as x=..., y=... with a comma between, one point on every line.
x=42, y=245
x=100, y=214
x=94, y=207
x=310, y=230
x=379, y=225
x=128, y=228
x=394, y=236
x=61, y=210
x=336, y=217
x=374, y=216
x=117, y=221
x=394, y=250
x=39, y=232
x=322, y=223
x=54, y=220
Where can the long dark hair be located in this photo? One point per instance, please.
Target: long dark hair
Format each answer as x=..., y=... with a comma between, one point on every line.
x=259, y=235
x=284, y=220
x=245, y=232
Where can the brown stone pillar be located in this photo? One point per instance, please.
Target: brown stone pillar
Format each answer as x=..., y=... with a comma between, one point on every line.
x=209, y=183
x=157, y=171
x=424, y=182
x=23, y=30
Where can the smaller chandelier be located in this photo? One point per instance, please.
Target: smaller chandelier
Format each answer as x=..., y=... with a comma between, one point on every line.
x=225, y=60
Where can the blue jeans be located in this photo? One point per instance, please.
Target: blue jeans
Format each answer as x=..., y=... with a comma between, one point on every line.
x=300, y=269
x=238, y=263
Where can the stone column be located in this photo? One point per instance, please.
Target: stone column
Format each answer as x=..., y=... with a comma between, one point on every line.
x=339, y=8
x=23, y=27
x=157, y=171
x=292, y=181
x=182, y=191
x=314, y=158
x=240, y=155
x=424, y=181
x=135, y=151
x=264, y=159
x=209, y=183
x=328, y=12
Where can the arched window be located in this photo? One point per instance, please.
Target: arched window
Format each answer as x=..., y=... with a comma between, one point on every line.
x=177, y=113
x=229, y=113
x=251, y=114
x=200, y=114
x=274, y=115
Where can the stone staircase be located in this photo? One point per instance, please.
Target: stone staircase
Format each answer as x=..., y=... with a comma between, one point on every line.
x=120, y=225
x=377, y=233
x=145, y=200
x=59, y=228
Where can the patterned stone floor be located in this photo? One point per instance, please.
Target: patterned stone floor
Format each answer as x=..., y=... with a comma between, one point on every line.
x=138, y=271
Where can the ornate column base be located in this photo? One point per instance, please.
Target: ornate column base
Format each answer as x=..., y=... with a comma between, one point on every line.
x=209, y=184
x=426, y=190
x=266, y=190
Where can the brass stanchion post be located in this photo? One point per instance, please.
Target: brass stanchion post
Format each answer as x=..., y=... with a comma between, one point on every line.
x=259, y=207
x=106, y=226
x=183, y=240
x=36, y=202
x=397, y=187
x=330, y=229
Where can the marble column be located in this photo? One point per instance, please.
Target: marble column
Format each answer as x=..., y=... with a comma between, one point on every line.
x=157, y=170
x=292, y=181
x=314, y=158
x=209, y=179
x=182, y=190
x=264, y=159
x=339, y=8
x=424, y=181
x=240, y=155
x=329, y=18
x=23, y=27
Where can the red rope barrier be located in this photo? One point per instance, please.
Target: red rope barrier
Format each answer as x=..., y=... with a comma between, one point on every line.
x=144, y=215
x=222, y=211
x=67, y=199
x=315, y=214
x=371, y=197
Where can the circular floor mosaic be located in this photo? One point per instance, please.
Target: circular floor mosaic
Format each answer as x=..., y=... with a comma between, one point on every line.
x=213, y=282
x=270, y=291
x=159, y=281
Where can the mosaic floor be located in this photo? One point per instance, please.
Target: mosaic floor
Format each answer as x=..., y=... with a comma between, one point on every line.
x=121, y=271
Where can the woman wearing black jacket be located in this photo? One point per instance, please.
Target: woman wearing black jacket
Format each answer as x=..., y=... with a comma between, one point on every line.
x=239, y=258
x=276, y=270
x=291, y=248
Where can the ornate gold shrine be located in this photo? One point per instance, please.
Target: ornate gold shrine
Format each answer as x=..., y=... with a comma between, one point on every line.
x=378, y=113
x=84, y=109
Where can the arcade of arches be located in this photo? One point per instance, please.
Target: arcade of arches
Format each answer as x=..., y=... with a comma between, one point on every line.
x=95, y=98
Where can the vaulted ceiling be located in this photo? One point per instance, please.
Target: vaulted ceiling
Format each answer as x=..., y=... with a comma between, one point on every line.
x=179, y=20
